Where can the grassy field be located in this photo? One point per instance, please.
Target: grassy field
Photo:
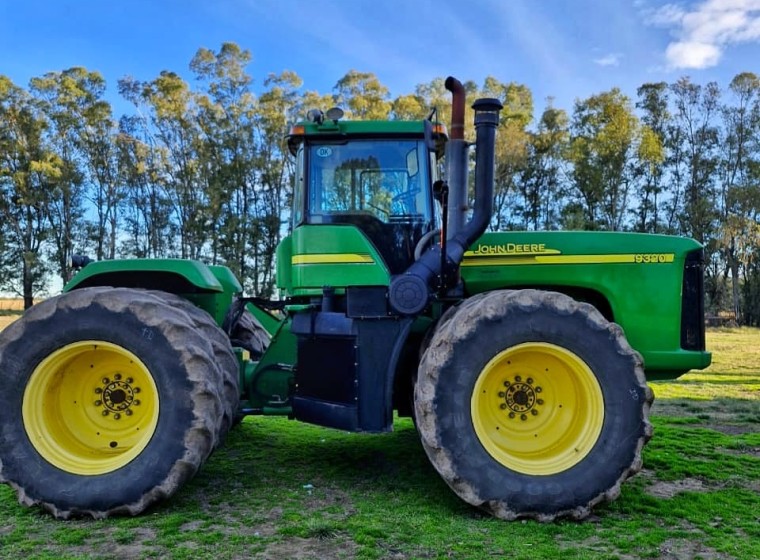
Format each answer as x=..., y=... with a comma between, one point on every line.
x=282, y=490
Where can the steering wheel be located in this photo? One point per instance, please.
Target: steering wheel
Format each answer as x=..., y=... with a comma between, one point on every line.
x=424, y=240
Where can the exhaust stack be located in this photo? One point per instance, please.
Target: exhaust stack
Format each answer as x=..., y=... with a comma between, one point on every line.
x=456, y=160
x=410, y=292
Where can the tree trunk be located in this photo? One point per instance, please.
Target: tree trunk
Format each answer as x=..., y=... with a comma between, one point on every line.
x=27, y=285
x=733, y=262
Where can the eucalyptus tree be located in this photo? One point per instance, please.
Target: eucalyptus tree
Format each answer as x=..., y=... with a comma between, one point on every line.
x=696, y=109
x=738, y=232
x=279, y=106
x=693, y=163
x=363, y=96
x=64, y=98
x=409, y=107
x=512, y=147
x=226, y=114
x=541, y=181
x=604, y=136
x=651, y=169
x=98, y=138
x=145, y=206
x=29, y=172
x=170, y=122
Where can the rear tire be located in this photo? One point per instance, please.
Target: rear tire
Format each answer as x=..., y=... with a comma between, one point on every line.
x=111, y=399
x=248, y=333
x=530, y=404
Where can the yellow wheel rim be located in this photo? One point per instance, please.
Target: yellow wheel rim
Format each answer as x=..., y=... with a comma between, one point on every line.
x=537, y=408
x=90, y=407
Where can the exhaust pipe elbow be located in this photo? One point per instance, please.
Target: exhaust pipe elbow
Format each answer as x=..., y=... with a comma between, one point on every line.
x=458, y=99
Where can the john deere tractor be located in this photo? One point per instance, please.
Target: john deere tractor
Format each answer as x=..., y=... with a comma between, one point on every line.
x=521, y=356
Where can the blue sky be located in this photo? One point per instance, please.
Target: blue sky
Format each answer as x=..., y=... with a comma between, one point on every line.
x=566, y=49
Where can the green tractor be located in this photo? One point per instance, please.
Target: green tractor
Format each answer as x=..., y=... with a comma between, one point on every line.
x=519, y=355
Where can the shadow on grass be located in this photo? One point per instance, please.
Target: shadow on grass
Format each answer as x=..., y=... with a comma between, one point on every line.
x=269, y=455
x=722, y=409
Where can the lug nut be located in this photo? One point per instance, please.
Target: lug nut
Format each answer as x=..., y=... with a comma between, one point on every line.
x=136, y=390
x=98, y=403
x=502, y=406
x=540, y=401
x=502, y=394
x=105, y=413
x=117, y=376
x=511, y=414
x=128, y=412
x=529, y=381
x=105, y=381
x=506, y=383
x=518, y=378
x=130, y=380
x=538, y=389
x=534, y=412
x=136, y=402
x=116, y=416
x=98, y=390
x=523, y=417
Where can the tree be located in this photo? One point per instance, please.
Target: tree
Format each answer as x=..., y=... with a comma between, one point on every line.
x=541, y=181
x=79, y=132
x=739, y=192
x=363, y=95
x=147, y=209
x=604, y=133
x=174, y=136
x=693, y=143
x=278, y=106
x=650, y=171
x=696, y=108
x=227, y=152
x=409, y=107
x=29, y=172
x=511, y=148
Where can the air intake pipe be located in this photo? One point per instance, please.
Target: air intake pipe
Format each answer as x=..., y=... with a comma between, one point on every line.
x=410, y=292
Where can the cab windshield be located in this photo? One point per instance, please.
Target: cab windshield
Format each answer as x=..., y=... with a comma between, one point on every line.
x=385, y=179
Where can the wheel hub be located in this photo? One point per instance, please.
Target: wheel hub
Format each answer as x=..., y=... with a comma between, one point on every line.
x=521, y=397
x=117, y=396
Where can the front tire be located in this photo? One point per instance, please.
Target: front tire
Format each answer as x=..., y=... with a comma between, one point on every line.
x=530, y=404
x=111, y=399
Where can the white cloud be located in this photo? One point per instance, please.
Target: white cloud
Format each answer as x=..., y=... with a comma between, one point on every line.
x=703, y=31
x=692, y=54
x=667, y=15
x=612, y=59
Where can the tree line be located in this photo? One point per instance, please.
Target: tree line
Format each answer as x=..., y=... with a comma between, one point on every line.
x=201, y=170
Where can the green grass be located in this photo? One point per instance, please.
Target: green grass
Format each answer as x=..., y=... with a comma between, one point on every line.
x=280, y=489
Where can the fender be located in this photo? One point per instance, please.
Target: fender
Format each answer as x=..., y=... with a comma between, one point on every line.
x=211, y=288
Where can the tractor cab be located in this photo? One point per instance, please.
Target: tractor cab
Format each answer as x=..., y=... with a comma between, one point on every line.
x=373, y=175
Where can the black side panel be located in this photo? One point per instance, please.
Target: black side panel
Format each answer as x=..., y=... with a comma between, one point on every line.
x=380, y=345
x=367, y=302
x=344, y=374
x=327, y=369
x=322, y=413
x=693, y=302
